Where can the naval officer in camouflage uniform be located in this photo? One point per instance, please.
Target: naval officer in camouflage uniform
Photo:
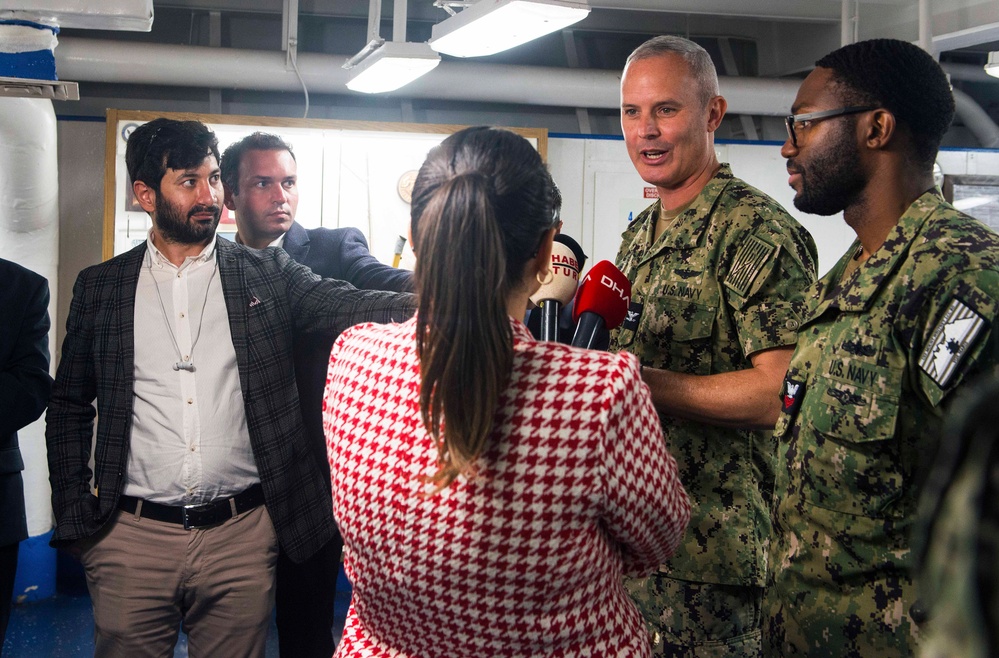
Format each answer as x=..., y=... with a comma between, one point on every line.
x=716, y=268
x=906, y=317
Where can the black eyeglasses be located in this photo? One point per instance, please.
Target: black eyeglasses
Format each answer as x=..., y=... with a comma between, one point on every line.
x=795, y=122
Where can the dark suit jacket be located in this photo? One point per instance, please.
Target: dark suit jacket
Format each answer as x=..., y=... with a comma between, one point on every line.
x=336, y=254
x=342, y=253
x=270, y=298
x=24, y=382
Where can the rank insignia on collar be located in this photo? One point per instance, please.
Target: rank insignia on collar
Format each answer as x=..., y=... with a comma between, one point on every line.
x=948, y=344
x=634, y=315
x=791, y=394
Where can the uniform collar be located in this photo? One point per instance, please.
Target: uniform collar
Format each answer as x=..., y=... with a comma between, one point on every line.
x=688, y=229
x=858, y=291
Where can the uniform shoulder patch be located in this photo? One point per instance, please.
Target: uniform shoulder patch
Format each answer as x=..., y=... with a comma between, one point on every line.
x=748, y=262
x=954, y=334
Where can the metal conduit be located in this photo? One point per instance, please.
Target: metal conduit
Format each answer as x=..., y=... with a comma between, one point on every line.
x=95, y=60
x=120, y=62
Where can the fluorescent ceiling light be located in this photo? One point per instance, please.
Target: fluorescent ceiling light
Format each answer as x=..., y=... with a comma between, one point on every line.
x=491, y=26
x=390, y=65
x=972, y=202
x=992, y=66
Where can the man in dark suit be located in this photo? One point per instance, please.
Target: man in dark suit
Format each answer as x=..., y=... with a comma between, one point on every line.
x=260, y=178
x=24, y=390
x=201, y=465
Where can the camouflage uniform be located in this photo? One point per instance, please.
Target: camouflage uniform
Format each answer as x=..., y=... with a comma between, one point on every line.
x=878, y=354
x=959, y=513
x=720, y=284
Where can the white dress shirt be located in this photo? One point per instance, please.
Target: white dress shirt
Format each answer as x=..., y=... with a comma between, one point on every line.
x=277, y=242
x=189, y=442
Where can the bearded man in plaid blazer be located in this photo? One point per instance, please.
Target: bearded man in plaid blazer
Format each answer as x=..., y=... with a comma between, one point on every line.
x=201, y=466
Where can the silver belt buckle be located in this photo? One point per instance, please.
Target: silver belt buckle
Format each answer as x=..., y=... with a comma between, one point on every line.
x=187, y=520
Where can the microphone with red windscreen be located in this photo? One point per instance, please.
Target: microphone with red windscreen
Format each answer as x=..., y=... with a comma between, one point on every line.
x=559, y=291
x=601, y=303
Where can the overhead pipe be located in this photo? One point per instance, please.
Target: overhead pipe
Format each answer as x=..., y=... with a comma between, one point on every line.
x=399, y=21
x=976, y=120
x=848, y=19
x=119, y=62
x=925, y=27
x=968, y=72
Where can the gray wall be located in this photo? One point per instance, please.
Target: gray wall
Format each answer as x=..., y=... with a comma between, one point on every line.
x=81, y=207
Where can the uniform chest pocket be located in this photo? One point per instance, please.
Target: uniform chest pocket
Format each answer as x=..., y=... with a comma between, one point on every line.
x=679, y=336
x=854, y=464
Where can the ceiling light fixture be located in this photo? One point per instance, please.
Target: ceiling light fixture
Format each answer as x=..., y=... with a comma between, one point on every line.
x=492, y=26
x=992, y=65
x=388, y=65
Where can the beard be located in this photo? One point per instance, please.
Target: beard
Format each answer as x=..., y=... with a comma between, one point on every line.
x=176, y=228
x=832, y=179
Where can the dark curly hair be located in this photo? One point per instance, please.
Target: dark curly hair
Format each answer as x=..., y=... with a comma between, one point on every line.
x=902, y=78
x=165, y=144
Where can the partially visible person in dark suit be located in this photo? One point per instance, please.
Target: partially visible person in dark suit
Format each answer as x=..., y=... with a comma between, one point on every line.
x=201, y=465
x=24, y=390
x=260, y=178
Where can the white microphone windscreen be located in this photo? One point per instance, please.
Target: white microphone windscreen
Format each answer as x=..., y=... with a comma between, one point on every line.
x=565, y=277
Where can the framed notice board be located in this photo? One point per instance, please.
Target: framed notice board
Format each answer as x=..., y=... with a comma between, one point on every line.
x=350, y=173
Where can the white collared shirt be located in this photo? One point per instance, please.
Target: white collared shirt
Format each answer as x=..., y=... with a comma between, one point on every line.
x=190, y=442
x=278, y=242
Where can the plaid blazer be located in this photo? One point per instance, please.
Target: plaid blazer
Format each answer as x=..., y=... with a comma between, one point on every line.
x=270, y=299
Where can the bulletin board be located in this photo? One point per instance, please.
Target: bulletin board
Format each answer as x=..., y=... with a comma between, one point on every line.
x=350, y=173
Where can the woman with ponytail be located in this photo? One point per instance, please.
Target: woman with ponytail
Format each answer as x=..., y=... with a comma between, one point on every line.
x=492, y=489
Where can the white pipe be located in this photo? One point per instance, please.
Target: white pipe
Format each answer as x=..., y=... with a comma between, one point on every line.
x=28, y=184
x=968, y=72
x=29, y=235
x=925, y=27
x=845, y=33
x=374, y=20
x=120, y=62
x=399, y=20
x=976, y=120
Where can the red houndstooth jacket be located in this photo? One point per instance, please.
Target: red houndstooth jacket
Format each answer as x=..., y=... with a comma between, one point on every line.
x=526, y=557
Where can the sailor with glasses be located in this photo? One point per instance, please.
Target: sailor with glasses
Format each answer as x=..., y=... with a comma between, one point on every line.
x=898, y=326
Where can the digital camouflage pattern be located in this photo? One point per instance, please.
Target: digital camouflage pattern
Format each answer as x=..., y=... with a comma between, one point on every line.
x=878, y=354
x=959, y=528
x=702, y=620
x=722, y=283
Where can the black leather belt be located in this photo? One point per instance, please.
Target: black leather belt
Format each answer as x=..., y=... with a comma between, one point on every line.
x=196, y=516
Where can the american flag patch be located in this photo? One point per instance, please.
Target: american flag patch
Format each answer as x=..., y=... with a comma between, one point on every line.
x=747, y=264
x=949, y=342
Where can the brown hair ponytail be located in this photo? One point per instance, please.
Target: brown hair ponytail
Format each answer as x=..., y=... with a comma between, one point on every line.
x=481, y=203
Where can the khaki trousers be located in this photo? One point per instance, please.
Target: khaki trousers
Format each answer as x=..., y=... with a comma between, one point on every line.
x=147, y=578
